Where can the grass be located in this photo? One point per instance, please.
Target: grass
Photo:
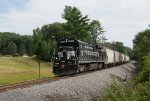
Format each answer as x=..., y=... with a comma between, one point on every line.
x=18, y=69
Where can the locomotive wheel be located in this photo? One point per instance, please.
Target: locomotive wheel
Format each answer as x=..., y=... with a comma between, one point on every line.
x=105, y=66
x=86, y=67
x=81, y=68
x=99, y=66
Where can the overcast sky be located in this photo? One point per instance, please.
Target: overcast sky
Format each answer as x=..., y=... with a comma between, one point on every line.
x=121, y=19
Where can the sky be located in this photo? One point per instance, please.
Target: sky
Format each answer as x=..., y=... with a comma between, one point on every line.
x=121, y=19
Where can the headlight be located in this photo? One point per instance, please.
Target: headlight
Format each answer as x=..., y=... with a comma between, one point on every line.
x=68, y=58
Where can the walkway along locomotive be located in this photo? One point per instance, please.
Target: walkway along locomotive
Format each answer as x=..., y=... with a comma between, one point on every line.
x=73, y=56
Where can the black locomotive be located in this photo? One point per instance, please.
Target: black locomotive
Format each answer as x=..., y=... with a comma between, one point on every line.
x=73, y=56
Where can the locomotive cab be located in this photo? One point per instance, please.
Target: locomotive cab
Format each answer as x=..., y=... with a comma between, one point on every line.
x=65, y=60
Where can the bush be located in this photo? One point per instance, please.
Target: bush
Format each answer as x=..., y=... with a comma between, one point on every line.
x=143, y=91
x=114, y=93
x=119, y=92
x=144, y=73
x=137, y=90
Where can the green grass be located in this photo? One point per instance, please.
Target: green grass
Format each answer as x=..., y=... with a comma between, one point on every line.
x=18, y=69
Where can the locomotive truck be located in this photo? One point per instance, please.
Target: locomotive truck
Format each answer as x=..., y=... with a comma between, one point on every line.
x=74, y=56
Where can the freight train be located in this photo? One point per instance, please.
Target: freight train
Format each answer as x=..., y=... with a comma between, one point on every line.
x=74, y=56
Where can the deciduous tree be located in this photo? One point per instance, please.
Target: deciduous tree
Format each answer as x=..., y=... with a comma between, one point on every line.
x=12, y=48
x=142, y=43
x=95, y=30
x=22, y=49
x=77, y=25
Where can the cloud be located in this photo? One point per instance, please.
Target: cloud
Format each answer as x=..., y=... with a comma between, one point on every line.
x=121, y=19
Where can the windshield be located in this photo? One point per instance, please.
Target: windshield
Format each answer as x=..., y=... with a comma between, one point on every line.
x=70, y=54
x=66, y=53
x=60, y=54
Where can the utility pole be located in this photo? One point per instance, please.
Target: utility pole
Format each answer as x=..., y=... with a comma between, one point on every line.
x=103, y=39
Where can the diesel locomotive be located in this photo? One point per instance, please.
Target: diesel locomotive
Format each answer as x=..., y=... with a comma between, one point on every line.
x=74, y=56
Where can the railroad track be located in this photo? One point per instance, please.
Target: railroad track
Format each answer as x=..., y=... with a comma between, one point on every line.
x=37, y=81
x=30, y=83
x=40, y=81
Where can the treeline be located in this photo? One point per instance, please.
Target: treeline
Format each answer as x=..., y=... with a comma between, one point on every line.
x=15, y=44
x=137, y=89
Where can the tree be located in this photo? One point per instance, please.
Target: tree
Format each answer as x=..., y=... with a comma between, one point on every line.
x=12, y=48
x=119, y=47
x=77, y=25
x=22, y=49
x=45, y=49
x=28, y=43
x=4, y=51
x=44, y=40
x=7, y=37
x=95, y=30
x=52, y=31
x=141, y=44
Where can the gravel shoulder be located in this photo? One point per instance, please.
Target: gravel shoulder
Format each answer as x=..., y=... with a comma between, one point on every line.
x=78, y=88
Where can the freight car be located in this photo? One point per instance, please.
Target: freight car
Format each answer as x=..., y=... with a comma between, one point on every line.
x=116, y=57
x=109, y=57
x=73, y=56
